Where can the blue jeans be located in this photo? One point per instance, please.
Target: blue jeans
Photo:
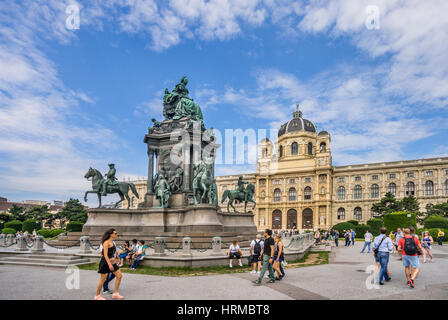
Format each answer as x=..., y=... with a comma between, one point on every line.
x=110, y=277
x=135, y=264
x=366, y=244
x=336, y=241
x=384, y=260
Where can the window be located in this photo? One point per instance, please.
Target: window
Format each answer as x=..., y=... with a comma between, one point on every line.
x=373, y=214
x=375, y=177
x=358, y=178
x=294, y=149
x=341, y=193
x=428, y=173
x=277, y=195
x=292, y=180
x=392, y=188
x=358, y=213
x=307, y=193
x=341, y=214
x=392, y=176
x=410, y=174
x=410, y=188
x=341, y=179
x=446, y=187
x=429, y=188
x=322, y=177
x=310, y=148
x=265, y=152
x=281, y=151
x=292, y=194
x=358, y=192
x=374, y=191
x=308, y=179
x=446, y=172
x=276, y=182
x=323, y=147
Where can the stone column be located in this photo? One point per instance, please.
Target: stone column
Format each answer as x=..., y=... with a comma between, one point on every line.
x=84, y=245
x=21, y=244
x=186, y=246
x=216, y=245
x=9, y=239
x=159, y=246
x=150, y=171
x=2, y=239
x=187, y=166
x=38, y=245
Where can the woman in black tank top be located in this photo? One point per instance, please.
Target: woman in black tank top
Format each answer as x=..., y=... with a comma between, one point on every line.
x=108, y=264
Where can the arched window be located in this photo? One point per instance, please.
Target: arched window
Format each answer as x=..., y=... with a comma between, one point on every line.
x=374, y=191
x=410, y=188
x=307, y=193
x=292, y=194
x=357, y=194
x=392, y=188
x=341, y=214
x=429, y=188
x=323, y=147
x=277, y=195
x=265, y=152
x=446, y=187
x=310, y=148
x=281, y=151
x=341, y=193
x=294, y=149
x=358, y=213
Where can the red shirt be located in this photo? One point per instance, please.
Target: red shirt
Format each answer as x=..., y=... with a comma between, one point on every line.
x=401, y=244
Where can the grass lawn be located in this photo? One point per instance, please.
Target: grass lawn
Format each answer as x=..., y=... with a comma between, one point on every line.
x=310, y=259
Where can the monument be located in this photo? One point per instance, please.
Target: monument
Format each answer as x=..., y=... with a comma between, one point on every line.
x=181, y=198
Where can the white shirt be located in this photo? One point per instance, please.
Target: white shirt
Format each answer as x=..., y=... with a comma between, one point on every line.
x=368, y=237
x=252, y=244
x=234, y=248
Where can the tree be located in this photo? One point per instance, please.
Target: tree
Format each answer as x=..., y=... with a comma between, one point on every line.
x=387, y=205
x=440, y=209
x=17, y=212
x=74, y=211
x=40, y=214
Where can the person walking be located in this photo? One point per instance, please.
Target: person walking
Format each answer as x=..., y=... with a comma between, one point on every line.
x=383, y=246
x=107, y=264
x=317, y=236
x=278, y=257
x=440, y=236
x=256, y=252
x=398, y=236
x=352, y=236
x=427, y=241
x=336, y=238
x=268, y=257
x=110, y=275
x=367, y=241
x=347, y=237
x=409, y=246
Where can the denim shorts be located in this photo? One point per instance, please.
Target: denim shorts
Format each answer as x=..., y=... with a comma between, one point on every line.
x=411, y=260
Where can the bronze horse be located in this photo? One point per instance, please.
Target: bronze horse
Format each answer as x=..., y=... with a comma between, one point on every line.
x=240, y=196
x=122, y=188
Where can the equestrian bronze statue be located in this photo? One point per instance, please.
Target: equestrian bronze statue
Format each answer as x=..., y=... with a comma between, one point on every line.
x=240, y=194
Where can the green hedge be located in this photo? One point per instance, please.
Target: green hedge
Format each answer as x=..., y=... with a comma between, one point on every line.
x=436, y=221
x=75, y=226
x=353, y=222
x=56, y=232
x=8, y=231
x=433, y=232
x=360, y=230
x=343, y=226
x=15, y=224
x=375, y=225
x=399, y=219
x=30, y=224
x=45, y=233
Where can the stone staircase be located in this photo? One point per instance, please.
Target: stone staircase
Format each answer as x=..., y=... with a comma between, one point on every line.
x=59, y=260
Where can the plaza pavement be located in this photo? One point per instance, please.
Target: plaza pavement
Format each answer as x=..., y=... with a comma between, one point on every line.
x=343, y=278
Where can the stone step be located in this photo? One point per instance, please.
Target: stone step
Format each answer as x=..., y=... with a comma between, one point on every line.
x=40, y=264
x=44, y=261
x=51, y=256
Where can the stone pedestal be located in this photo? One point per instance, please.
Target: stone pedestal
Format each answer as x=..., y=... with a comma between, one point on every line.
x=38, y=245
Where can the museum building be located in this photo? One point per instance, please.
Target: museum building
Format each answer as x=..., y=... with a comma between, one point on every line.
x=297, y=187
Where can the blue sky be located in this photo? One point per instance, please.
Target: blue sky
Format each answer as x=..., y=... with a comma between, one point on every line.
x=70, y=99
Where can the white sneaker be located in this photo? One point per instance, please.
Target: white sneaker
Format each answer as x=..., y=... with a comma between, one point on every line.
x=258, y=272
x=230, y=265
x=240, y=264
x=253, y=272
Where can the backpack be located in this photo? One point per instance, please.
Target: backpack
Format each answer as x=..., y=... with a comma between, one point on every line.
x=257, y=247
x=410, y=248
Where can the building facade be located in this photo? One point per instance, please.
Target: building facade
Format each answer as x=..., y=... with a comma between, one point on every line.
x=298, y=187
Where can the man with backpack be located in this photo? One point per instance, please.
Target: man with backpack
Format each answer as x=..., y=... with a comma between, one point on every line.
x=256, y=252
x=382, y=247
x=410, y=247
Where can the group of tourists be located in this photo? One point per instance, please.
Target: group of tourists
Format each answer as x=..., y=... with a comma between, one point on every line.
x=132, y=252
x=26, y=234
x=408, y=246
x=327, y=236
